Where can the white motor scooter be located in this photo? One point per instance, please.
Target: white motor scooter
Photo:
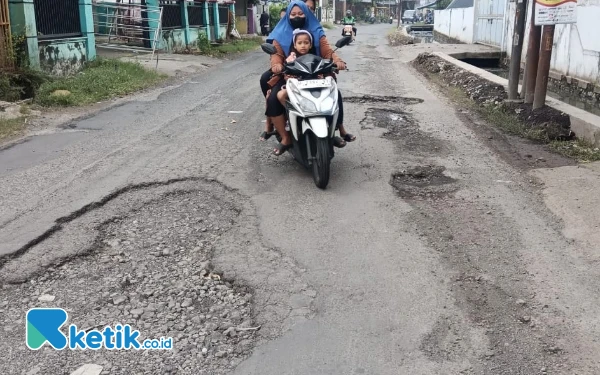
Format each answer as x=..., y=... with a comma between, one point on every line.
x=349, y=31
x=312, y=111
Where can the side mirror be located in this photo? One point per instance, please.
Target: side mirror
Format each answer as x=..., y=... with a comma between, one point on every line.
x=343, y=42
x=268, y=48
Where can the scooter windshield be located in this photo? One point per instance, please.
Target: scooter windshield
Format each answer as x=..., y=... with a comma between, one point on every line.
x=309, y=65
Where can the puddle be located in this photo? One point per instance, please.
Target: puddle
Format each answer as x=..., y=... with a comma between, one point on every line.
x=423, y=182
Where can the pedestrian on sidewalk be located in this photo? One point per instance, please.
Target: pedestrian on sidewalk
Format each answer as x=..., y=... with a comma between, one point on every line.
x=264, y=23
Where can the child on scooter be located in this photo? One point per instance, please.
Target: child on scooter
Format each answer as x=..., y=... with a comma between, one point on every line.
x=302, y=45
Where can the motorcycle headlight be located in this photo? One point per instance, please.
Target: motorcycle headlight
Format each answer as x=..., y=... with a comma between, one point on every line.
x=305, y=105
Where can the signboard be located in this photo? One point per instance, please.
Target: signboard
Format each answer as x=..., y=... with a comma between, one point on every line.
x=553, y=12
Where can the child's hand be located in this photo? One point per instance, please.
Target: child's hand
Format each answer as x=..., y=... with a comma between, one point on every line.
x=291, y=57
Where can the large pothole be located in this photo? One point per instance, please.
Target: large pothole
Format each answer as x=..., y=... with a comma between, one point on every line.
x=367, y=99
x=403, y=128
x=423, y=182
x=143, y=257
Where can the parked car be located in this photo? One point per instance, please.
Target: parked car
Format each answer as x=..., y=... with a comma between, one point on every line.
x=408, y=16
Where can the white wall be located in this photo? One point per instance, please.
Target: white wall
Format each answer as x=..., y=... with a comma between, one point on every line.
x=576, y=49
x=456, y=23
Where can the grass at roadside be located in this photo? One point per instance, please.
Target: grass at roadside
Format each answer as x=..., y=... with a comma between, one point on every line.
x=508, y=122
x=11, y=127
x=238, y=46
x=99, y=80
x=578, y=149
x=328, y=25
x=204, y=46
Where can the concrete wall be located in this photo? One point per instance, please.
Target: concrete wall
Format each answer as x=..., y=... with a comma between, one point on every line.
x=194, y=31
x=455, y=23
x=62, y=57
x=173, y=40
x=55, y=56
x=576, y=49
x=241, y=23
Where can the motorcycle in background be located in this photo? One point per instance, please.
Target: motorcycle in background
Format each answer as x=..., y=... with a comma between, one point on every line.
x=349, y=31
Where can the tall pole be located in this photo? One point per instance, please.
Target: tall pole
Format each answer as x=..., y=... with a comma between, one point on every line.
x=517, y=47
x=398, y=14
x=541, y=85
x=533, y=56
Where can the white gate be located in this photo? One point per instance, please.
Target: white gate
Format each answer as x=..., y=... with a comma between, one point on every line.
x=127, y=26
x=489, y=21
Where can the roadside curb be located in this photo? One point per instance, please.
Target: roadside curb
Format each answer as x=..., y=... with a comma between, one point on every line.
x=585, y=125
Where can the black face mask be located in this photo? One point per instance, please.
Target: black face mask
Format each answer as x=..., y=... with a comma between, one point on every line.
x=298, y=22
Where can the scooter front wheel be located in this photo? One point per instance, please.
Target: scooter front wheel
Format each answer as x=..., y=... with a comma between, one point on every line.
x=321, y=163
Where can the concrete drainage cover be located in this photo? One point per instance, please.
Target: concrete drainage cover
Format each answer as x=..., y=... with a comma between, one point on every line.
x=423, y=182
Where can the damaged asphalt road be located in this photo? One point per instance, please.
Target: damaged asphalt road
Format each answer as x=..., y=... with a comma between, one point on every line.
x=429, y=253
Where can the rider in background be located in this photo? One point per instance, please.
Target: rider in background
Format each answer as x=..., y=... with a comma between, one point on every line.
x=349, y=19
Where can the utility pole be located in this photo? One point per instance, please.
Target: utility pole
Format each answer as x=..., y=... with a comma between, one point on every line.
x=399, y=11
x=517, y=47
x=541, y=85
x=533, y=55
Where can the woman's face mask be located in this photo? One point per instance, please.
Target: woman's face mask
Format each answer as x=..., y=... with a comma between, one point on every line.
x=297, y=18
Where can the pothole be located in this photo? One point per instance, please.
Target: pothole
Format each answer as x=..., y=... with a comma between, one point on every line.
x=423, y=182
x=362, y=99
x=396, y=122
x=403, y=128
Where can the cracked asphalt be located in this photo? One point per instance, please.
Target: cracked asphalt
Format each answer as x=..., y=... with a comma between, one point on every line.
x=431, y=251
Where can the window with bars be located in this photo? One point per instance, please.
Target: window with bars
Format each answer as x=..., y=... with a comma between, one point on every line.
x=196, y=14
x=171, y=18
x=223, y=14
x=57, y=19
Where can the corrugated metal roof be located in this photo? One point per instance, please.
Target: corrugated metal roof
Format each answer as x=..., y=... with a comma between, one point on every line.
x=430, y=5
x=460, y=4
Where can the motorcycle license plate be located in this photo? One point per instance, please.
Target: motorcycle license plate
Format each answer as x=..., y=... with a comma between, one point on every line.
x=313, y=83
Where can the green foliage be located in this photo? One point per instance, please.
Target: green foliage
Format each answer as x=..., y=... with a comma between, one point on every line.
x=21, y=84
x=238, y=46
x=11, y=127
x=18, y=52
x=578, y=149
x=99, y=80
x=203, y=43
x=274, y=12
